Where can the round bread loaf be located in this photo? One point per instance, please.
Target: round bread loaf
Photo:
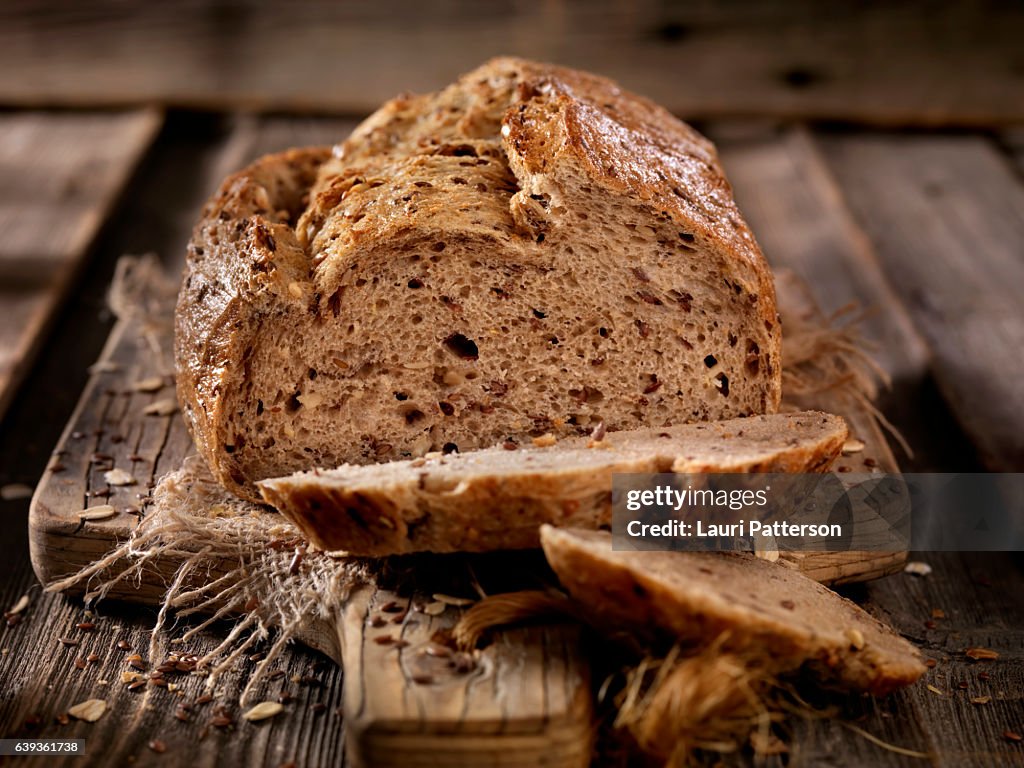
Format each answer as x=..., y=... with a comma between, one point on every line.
x=531, y=250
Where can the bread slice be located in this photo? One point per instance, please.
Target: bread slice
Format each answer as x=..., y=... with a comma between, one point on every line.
x=530, y=250
x=787, y=619
x=496, y=498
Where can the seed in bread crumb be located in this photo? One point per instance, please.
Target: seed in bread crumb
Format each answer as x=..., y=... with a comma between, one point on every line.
x=545, y=441
x=856, y=638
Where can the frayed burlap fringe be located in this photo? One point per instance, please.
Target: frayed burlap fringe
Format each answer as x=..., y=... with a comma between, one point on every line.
x=829, y=360
x=238, y=561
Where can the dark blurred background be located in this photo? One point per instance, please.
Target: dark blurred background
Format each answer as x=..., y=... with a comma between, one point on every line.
x=925, y=62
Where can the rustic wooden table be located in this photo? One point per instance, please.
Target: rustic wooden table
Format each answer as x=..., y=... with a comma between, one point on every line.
x=911, y=205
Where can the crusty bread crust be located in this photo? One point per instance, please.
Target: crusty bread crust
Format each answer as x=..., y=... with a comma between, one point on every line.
x=530, y=250
x=496, y=498
x=242, y=259
x=788, y=620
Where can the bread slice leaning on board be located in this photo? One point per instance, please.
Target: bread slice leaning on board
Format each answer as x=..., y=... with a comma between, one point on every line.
x=531, y=250
x=755, y=606
x=496, y=498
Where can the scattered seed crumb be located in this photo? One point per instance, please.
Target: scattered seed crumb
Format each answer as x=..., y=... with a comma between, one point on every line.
x=1012, y=736
x=917, y=568
x=152, y=384
x=981, y=699
x=935, y=690
x=856, y=638
x=434, y=609
x=263, y=711
x=938, y=613
x=852, y=446
x=158, y=746
x=101, y=512
x=161, y=408
x=15, y=491
x=930, y=663
x=118, y=477
x=90, y=711
x=19, y=606
x=981, y=654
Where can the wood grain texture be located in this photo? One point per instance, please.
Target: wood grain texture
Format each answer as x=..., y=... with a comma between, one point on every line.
x=60, y=176
x=944, y=213
x=795, y=207
x=792, y=203
x=526, y=700
x=956, y=63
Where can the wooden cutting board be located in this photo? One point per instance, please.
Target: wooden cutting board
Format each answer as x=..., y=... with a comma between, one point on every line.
x=527, y=699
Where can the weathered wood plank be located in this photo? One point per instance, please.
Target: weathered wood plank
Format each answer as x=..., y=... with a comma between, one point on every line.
x=791, y=201
x=60, y=176
x=883, y=63
x=524, y=700
x=36, y=677
x=944, y=213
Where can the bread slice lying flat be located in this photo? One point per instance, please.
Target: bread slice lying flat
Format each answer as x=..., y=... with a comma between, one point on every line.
x=496, y=498
x=529, y=250
x=769, y=609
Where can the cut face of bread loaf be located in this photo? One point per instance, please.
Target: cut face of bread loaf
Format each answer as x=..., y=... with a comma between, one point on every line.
x=785, y=618
x=496, y=498
x=530, y=250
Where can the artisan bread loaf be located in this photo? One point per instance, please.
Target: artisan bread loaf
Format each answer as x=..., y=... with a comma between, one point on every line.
x=530, y=250
x=777, y=614
x=496, y=498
